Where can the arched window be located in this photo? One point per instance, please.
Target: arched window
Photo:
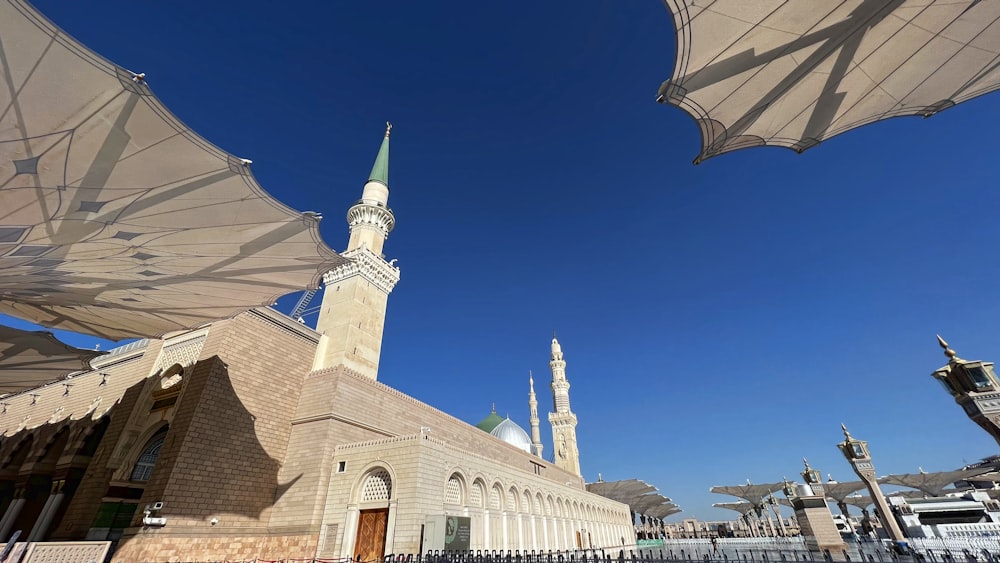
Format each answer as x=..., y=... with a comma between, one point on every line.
x=495, y=498
x=147, y=459
x=476, y=496
x=377, y=486
x=453, y=492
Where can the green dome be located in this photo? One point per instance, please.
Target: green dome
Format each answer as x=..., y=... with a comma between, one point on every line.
x=490, y=422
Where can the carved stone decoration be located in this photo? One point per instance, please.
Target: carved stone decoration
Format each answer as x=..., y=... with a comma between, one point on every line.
x=374, y=217
x=23, y=424
x=56, y=415
x=124, y=446
x=365, y=263
x=168, y=381
x=93, y=406
x=185, y=352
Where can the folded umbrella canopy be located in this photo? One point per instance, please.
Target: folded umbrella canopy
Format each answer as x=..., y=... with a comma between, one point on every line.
x=791, y=74
x=117, y=220
x=32, y=358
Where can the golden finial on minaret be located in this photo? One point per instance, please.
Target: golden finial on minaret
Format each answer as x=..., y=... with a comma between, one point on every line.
x=947, y=351
x=846, y=433
x=806, y=463
x=388, y=128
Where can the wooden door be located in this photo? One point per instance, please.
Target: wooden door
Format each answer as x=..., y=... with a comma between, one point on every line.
x=370, y=543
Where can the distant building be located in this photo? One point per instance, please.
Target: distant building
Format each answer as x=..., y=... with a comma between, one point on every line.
x=968, y=514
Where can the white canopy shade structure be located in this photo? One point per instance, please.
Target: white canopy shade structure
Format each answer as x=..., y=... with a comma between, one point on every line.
x=752, y=493
x=661, y=511
x=792, y=74
x=860, y=501
x=840, y=491
x=932, y=484
x=118, y=221
x=621, y=491
x=641, y=497
x=32, y=358
x=741, y=507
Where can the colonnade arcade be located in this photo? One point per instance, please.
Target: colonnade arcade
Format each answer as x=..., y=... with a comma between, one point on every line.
x=40, y=470
x=510, y=517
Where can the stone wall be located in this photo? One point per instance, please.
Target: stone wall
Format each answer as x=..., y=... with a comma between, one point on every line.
x=217, y=473
x=221, y=547
x=421, y=465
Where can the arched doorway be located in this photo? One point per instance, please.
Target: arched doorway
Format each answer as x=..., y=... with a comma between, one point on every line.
x=373, y=522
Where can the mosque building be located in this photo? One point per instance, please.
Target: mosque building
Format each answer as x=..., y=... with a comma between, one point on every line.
x=259, y=437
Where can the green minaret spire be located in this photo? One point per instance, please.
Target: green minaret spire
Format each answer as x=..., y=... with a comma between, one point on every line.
x=380, y=172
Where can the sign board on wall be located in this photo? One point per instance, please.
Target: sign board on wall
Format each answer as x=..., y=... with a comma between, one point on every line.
x=457, y=532
x=447, y=532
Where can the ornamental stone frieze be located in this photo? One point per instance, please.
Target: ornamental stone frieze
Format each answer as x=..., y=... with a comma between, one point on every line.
x=986, y=403
x=377, y=217
x=365, y=263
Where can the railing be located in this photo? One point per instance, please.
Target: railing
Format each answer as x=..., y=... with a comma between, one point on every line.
x=870, y=553
x=724, y=550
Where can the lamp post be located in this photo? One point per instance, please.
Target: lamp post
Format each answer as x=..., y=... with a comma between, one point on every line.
x=812, y=478
x=856, y=452
x=975, y=387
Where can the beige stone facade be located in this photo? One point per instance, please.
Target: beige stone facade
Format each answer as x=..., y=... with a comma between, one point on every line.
x=258, y=437
x=262, y=457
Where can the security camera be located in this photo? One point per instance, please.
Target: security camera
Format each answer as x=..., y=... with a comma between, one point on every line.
x=148, y=520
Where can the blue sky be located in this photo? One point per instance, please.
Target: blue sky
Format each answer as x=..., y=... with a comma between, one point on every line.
x=719, y=321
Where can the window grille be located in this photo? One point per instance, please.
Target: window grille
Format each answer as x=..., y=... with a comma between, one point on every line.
x=147, y=459
x=477, y=495
x=495, y=499
x=378, y=486
x=453, y=493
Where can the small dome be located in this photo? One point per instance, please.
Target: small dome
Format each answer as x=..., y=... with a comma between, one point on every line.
x=490, y=422
x=510, y=432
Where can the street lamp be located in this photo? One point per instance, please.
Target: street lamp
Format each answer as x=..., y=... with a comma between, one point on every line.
x=856, y=452
x=975, y=388
x=812, y=478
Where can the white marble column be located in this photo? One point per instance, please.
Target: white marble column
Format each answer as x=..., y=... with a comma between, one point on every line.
x=7, y=522
x=350, y=531
x=486, y=530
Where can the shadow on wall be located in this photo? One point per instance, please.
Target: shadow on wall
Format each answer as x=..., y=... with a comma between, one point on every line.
x=211, y=464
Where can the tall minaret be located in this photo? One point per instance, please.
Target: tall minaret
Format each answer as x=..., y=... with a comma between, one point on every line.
x=536, y=434
x=356, y=293
x=563, y=421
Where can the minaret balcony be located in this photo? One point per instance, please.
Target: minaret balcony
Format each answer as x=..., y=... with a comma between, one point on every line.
x=365, y=263
x=368, y=215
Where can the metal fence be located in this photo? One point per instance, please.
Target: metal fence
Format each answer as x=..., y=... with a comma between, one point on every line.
x=724, y=550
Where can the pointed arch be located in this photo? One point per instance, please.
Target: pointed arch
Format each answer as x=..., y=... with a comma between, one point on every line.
x=144, y=464
x=477, y=494
x=511, y=500
x=496, y=497
x=376, y=486
x=455, y=490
